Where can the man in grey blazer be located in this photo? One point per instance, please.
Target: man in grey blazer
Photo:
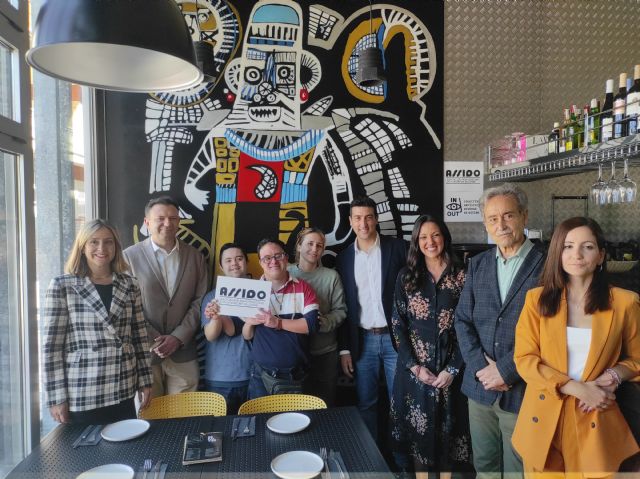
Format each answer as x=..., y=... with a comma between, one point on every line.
x=485, y=321
x=173, y=279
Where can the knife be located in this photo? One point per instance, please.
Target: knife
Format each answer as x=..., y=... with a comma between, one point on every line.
x=234, y=432
x=163, y=470
x=156, y=469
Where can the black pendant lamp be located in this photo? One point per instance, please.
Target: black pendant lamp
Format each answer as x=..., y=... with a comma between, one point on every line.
x=370, y=70
x=125, y=45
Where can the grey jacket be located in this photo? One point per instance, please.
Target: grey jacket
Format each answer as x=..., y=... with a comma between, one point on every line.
x=178, y=314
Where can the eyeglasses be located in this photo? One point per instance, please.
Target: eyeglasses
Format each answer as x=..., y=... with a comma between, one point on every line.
x=277, y=257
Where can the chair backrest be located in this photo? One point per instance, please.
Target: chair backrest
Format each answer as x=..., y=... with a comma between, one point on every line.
x=282, y=403
x=199, y=403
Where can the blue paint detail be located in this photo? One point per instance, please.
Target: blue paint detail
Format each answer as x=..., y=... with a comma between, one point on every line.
x=225, y=194
x=262, y=41
x=293, y=193
x=276, y=14
x=303, y=144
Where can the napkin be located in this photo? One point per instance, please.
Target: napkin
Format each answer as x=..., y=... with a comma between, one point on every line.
x=243, y=426
x=90, y=436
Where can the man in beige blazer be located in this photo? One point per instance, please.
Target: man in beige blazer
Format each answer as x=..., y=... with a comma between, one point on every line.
x=173, y=279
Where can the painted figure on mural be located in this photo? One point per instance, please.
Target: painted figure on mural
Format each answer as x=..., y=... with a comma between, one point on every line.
x=261, y=151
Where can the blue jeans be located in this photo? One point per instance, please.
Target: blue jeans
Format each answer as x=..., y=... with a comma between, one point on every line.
x=377, y=349
x=234, y=396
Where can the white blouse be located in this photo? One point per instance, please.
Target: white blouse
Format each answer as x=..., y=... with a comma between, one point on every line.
x=578, y=343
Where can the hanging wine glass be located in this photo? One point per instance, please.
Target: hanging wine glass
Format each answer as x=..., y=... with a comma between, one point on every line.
x=612, y=191
x=628, y=187
x=597, y=189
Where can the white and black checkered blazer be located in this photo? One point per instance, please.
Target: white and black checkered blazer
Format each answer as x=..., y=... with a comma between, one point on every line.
x=94, y=358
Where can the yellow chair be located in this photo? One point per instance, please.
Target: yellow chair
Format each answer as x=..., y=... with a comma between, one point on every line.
x=198, y=403
x=282, y=403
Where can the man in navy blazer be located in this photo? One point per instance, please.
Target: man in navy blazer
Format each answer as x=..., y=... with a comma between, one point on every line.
x=369, y=269
x=485, y=321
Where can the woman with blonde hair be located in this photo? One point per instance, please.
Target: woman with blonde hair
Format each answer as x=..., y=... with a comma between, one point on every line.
x=577, y=340
x=323, y=373
x=96, y=353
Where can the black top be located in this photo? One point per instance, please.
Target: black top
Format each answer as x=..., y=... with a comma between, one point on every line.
x=106, y=294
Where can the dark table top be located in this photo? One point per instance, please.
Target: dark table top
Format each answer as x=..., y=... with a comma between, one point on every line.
x=341, y=429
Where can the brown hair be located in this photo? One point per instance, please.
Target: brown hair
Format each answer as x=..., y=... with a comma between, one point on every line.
x=77, y=262
x=554, y=279
x=303, y=233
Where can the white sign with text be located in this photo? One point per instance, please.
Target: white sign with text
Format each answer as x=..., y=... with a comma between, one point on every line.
x=241, y=296
x=463, y=186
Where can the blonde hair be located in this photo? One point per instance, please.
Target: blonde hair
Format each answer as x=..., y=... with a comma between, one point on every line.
x=304, y=232
x=77, y=263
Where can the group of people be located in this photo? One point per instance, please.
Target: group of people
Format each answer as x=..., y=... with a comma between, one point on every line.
x=513, y=360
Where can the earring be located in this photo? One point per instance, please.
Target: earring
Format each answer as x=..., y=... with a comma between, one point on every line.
x=600, y=266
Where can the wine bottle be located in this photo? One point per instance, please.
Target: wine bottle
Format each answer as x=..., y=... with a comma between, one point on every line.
x=578, y=127
x=554, y=138
x=594, y=122
x=567, y=127
x=633, y=103
x=619, y=103
x=607, y=112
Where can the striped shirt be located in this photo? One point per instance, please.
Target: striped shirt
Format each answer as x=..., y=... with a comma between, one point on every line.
x=279, y=349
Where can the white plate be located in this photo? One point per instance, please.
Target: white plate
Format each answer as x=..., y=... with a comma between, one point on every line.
x=125, y=430
x=108, y=471
x=297, y=465
x=288, y=422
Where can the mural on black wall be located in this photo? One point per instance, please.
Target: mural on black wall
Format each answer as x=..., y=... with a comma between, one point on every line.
x=284, y=137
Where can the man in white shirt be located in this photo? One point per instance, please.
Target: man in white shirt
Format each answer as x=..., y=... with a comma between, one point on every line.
x=369, y=269
x=173, y=279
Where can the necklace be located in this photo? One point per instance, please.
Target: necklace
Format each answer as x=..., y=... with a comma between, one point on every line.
x=274, y=296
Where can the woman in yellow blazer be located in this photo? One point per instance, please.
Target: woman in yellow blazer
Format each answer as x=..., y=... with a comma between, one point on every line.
x=577, y=339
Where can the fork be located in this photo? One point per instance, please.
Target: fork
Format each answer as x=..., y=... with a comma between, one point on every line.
x=323, y=455
x=146, y=467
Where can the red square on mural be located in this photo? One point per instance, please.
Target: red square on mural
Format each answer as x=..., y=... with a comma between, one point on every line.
x=259, y=180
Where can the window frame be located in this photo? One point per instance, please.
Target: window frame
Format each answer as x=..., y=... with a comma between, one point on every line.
x=15, y=138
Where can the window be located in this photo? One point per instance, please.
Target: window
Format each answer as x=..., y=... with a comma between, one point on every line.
x=43, y=200
x=17, y=299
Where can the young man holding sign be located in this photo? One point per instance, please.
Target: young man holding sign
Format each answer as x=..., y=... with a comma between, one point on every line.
x=227, y=355
x=280, y=336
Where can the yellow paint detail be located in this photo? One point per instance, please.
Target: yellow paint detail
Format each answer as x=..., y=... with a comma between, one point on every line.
x=222, y=230
x=287, y=224
x=409, y=57
x=301, y=163
x=254, y=268
x=233, y=164
x=225, y=179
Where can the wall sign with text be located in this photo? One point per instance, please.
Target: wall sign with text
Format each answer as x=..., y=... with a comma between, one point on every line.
x=463, y=186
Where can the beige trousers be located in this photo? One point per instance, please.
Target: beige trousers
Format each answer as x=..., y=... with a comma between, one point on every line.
x=170, y=377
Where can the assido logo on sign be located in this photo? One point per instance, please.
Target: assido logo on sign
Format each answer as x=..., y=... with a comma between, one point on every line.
x=461, y=173
x=242, y=293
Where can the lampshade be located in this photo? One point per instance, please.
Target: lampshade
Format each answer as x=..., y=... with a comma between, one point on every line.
x=370, y=71
x=126, y=45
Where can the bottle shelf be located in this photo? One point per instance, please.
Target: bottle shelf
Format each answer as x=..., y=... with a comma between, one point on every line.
x=572, y=162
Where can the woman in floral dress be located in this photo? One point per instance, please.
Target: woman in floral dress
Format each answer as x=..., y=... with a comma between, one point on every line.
x=428, y=411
